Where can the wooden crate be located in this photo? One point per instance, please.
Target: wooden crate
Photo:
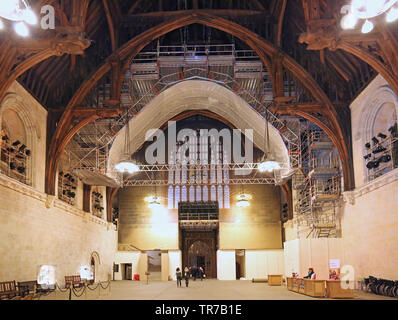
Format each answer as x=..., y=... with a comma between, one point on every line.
x=334, y=290
x=275, y=279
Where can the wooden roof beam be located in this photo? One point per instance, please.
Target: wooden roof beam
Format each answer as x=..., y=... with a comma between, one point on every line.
x=294, y=107
x=281, y=16
x=111, y=25
x=174, y=14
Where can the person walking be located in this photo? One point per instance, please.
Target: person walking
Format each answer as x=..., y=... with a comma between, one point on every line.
x=186, y=276
x=179, y=277
x=201, y=273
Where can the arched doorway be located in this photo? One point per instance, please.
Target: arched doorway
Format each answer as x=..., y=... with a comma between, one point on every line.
x=94, y=264
x=200, y=255
x=199, y=249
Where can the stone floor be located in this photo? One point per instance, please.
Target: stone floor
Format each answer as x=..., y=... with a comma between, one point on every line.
x=207, y=290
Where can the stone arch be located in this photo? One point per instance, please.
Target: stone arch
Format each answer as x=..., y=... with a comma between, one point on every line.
x=197, y=95
x=378, y=114
x=14, y=103
x=383, y=98
x=94, y=257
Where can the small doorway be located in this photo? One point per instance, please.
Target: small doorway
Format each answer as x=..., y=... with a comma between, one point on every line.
x=127, y=273
x=92, y=264
x=155, y=265
x=240, y=264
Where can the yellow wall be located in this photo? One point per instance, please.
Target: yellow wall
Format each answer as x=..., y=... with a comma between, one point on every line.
x=144, y=228
x=255, y=227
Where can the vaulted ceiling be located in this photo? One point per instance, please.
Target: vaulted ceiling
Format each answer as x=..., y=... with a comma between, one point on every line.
x=95, y=42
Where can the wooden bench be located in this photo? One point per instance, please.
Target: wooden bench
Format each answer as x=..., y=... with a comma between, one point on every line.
x=74, y=281
x=8, y=289
x=27, y=287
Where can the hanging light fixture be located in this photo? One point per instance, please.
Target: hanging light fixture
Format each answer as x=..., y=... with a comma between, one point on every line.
x=268, y=163
x=366, y=10
x=125, y=164
x=243, y=199
x=19, y=12
x=154, y=201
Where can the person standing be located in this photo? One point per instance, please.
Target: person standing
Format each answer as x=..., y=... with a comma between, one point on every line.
x=194, y=273
x=179, y=277
x=186, y=276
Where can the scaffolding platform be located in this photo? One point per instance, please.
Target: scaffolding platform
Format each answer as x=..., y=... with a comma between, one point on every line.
x=321, y=145
x=325, y=197
x=322, y=172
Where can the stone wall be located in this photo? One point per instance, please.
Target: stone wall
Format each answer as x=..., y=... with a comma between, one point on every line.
x=370, y=228
x=34, y=119
x=32, y=235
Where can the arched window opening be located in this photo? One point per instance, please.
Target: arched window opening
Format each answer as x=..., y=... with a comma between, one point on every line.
x=97, y=201
x=381, y=142
x=67, y=187
x=15, y=152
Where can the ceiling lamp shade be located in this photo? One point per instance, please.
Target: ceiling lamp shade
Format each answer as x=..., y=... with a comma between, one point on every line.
x=367, y=26
x=349, y=21
x=392, y=15
x=125, y=165
x=243, y=200
x=17, y=11
x=365, y=10
x=268, y=163
x=269, y=166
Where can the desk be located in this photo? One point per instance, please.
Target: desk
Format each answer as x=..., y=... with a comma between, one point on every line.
x=275, y=279
x=314, y=288
x=334, y=290
x=289, y=283
x=301, y=286
x=295, y=284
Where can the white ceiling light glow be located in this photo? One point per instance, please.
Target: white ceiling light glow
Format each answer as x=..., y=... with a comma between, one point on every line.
x=268, y=163
x=243, y=200
x=21, y=29
x=125, y=165
x=366, y=10
x=19, y=12
x=269, y=166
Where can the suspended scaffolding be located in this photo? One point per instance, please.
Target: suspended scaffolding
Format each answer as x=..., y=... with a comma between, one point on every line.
x=94, y=158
